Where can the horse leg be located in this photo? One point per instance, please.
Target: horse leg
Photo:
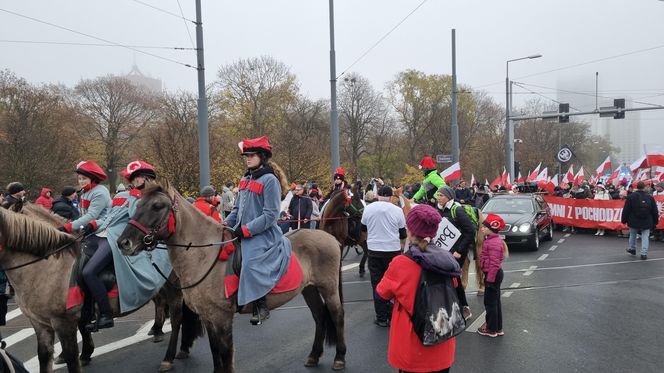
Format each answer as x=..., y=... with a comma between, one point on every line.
x=335, y=325
x=159, y=317
x=192, y=328
x=315, y=303
x=66, y=331
x=45, y=336
x=88, y=345
x=221, y=344
x=365, y=256
x=175, y=306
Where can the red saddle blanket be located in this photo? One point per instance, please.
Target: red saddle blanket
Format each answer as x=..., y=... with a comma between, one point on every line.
x=291, y=280
x=75, y=295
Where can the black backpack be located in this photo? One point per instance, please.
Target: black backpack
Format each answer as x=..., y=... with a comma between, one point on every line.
x=437, y=314
x=642, y=208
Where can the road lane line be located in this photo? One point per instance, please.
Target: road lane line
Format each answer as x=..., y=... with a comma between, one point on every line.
x=507, y=294
x=530, y=271
x=561, y=240
x=534, y=268
x=349, y=266
x=19, y=336
x=552, y=248
x=544, y=256
x=477, y=323
x=515, y=285
x=568, y=234
x=14, y=314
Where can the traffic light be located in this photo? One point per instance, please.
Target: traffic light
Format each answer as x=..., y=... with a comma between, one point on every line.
x=619, y=103
x=562, y=110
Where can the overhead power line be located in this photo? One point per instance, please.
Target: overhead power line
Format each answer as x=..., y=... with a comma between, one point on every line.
x=186, y=26
x=165, y=11
x=92, y=44
x=541, y=95
x=381, y=39
x=97, y=38
x=585, y=94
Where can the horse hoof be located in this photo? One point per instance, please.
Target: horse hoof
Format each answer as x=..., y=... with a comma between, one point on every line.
x=59, y=360
x=166, y=366
x=182, y=355
x=151, y=332
x=85, y=361
x=311, y=362
x=339, y=365
x=158, y=338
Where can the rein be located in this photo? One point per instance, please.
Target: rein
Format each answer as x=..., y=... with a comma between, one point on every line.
x=45, y=256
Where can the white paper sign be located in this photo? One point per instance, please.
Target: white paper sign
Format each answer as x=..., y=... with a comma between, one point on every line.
x=447, y=235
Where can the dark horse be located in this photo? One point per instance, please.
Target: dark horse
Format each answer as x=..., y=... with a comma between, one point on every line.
x=42, y=287
x=336, y=221
x=203, y=273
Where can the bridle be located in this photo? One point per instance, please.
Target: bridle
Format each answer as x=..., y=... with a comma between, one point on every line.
x=162, y=232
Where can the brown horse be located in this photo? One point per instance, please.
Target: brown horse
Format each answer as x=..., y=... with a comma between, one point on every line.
x=201, y=272
x=30, y=235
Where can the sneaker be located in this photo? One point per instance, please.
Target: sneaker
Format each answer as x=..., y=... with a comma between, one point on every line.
x=631, y=251
x=601, y=233
x=486, y=332
x=382, y=323
x=466, y=313
x=500, y=333
x=597, y=233
x=644, y=257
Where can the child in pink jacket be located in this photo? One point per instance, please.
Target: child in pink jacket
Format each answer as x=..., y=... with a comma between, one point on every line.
x=494, y=251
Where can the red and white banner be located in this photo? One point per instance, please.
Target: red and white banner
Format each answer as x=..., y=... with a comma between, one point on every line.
x=569, y=176
x=520, y=178
x=544, y=175
x=594, y=214
x=579, y=177
x=655, y=159
x=451, y=173
x=533, y=175
x=605, y=166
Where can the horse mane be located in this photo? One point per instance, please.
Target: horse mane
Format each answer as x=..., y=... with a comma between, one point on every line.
x=336, y=205
x=160, y=185
x=281, y=176
x=32, y=235
x=40, y=213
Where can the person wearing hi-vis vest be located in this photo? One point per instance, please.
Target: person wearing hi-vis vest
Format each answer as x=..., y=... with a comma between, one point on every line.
x=431, y=183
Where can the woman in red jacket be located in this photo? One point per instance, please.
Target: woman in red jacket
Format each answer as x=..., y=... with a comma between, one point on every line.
x=406, y=352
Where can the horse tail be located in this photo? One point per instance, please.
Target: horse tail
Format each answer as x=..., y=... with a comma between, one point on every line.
x=329, y=327
x=192, y=327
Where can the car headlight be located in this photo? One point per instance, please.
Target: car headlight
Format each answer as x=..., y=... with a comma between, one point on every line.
x=524, y=228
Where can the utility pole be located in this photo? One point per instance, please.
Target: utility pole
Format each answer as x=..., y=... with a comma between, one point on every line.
x=203, y=136
x=455, y=126
x=334, y=115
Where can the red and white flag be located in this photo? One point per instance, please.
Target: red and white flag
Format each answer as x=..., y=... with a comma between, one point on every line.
x=554, y=180
x=486, y=182
x=579, y=177
x=520, y=178
x=544, y=175
x=614, y=176
x=605, y=166
x=533, y=175
x=569, y=176
x=642, y=175
x=655, y=159
x=451, y=173
x=472, y=180
x=504, y=177
x=496, y=182
x=638, y=164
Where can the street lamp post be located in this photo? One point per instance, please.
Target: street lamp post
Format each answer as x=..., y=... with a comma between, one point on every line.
x=509, y=129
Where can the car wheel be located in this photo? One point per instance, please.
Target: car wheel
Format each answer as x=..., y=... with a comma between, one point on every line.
x=535, y=243
x=549, y=234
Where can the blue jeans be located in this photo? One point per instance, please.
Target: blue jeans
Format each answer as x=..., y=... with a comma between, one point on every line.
x=645, y=239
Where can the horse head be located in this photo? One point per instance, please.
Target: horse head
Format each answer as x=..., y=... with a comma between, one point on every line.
x=153, y=220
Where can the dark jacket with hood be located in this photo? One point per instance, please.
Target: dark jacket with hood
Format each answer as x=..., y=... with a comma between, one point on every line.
x=640, y=211
x=65, y=208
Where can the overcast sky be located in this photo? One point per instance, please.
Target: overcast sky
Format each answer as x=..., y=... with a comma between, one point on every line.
x=489, y=32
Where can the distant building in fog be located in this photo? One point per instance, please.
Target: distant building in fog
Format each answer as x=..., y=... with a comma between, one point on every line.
x=622, y=133
x=139, y=79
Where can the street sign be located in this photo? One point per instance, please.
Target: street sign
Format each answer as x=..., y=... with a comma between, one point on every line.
x=444, y=158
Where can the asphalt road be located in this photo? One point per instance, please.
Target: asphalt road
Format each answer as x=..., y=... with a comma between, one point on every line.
x=579, y=304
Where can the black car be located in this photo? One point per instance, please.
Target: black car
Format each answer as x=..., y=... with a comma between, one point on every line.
x=527, y=218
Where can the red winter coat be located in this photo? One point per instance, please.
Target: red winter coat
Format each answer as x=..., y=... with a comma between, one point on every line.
x=491, y=258
x=405, y=350
x=43, y=200
x=207, y=209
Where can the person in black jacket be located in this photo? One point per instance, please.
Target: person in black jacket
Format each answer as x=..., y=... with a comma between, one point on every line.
x=463, y=194
x=64, y=206
x=640, y=214
x=465, y=225
x=300, y=208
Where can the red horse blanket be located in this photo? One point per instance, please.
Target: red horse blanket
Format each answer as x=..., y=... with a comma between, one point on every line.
x=290, y=281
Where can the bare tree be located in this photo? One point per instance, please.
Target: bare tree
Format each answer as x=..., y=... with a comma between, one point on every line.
x=117, y=110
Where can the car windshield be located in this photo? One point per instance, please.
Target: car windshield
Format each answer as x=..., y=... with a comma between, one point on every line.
x=510, y=206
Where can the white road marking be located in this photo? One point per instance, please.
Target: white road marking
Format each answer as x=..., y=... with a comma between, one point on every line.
x=544, y=256
x=530, y=271
x=349, y=266
x=141, y=335
x=552, y=248
x=568, y=234
x=19, y=336
x=472, y=328
x=507, y=294
x=534, y=268
x=561, y=240
x=515, y=285
x=14, y=314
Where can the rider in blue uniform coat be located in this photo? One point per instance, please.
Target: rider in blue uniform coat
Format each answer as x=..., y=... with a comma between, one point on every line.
x=265, y=251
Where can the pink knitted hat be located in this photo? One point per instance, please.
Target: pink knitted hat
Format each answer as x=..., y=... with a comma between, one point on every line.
x=422, y=221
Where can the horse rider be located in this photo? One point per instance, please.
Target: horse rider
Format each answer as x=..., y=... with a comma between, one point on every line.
x=207, y=203
x=95, y=205
x=339, y=182
x=431, y=183
x=265, y=251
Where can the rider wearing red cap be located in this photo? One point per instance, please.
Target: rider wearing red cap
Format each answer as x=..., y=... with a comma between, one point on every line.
x=339, y=182
x=95, y=200
x=265, y=251
x=432, y=182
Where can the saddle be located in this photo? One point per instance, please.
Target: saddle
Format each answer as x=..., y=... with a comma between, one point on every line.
x=107, y=276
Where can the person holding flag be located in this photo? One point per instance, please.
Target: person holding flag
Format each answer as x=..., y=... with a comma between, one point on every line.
x=431, y=183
